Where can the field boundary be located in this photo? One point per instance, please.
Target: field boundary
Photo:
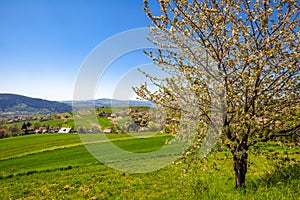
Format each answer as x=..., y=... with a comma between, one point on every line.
x=53, y=148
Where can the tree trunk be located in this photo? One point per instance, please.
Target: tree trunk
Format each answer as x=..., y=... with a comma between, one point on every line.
x=240, y=168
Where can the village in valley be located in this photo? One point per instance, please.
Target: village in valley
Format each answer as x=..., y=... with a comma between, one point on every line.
x=115, y=121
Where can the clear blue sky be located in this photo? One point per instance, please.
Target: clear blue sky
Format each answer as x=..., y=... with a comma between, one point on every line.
x=44, y=42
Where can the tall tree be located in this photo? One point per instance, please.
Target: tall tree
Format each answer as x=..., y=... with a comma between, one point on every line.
x=243, y=53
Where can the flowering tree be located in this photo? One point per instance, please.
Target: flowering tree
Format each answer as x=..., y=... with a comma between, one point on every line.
x=243, y=53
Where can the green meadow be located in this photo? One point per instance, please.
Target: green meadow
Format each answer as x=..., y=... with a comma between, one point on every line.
x=58, y=166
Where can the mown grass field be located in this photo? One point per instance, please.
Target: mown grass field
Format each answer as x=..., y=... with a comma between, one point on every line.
x=58, y=166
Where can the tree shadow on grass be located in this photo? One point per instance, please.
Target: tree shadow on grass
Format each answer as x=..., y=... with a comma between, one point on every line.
x=284, y=175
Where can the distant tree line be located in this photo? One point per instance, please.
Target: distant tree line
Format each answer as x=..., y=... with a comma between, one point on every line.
x=9, y=131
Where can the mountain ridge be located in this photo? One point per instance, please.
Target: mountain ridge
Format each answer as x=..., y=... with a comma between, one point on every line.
x=106, y=102
x=15, y=104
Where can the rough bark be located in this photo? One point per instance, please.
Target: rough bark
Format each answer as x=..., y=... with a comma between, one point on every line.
x=240, y=168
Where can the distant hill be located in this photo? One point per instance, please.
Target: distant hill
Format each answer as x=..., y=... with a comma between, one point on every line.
x=12, y=104
x=107, y=103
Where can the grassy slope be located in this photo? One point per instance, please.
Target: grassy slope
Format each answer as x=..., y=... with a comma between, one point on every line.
x=57, y=167
x=17, y=146
x=20, y=155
